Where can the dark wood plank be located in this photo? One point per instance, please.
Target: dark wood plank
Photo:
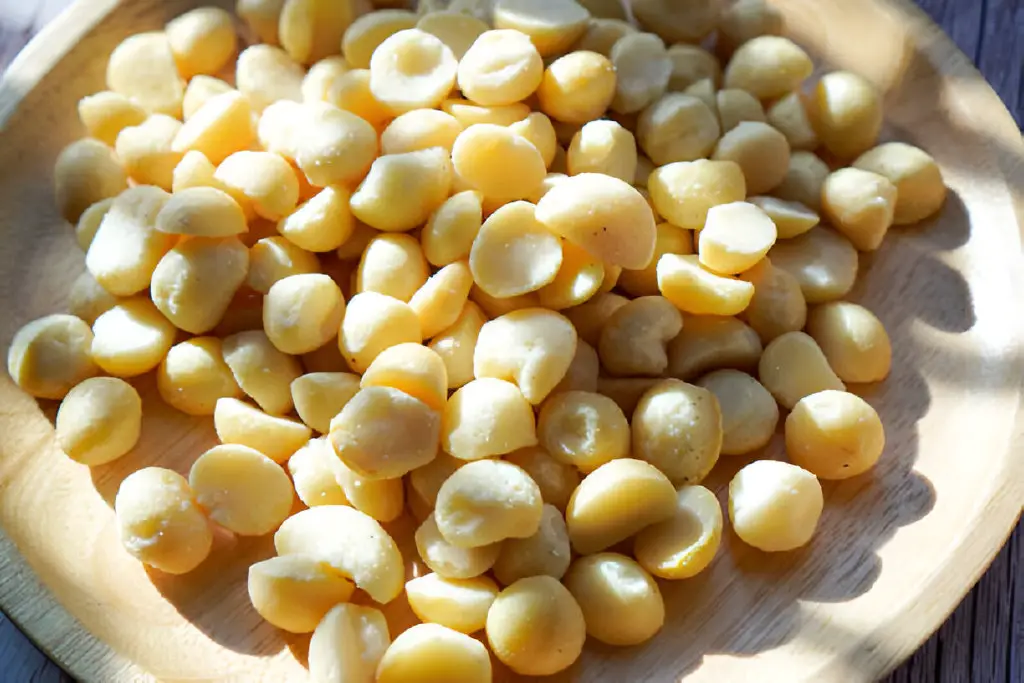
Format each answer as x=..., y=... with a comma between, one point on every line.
x=1000, y=54
x=21, y=662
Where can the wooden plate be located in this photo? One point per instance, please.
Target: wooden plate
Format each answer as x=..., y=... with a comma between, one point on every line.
x=896, y=549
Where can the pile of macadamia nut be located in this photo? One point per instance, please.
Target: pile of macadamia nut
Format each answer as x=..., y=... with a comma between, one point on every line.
x=523, y=270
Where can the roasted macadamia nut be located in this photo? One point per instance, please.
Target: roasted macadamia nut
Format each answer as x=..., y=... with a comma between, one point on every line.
x=774, y=506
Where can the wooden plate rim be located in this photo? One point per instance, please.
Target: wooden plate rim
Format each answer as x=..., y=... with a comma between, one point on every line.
x=34, y=609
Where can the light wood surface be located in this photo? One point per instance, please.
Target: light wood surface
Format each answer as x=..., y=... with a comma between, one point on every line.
x=896, y=550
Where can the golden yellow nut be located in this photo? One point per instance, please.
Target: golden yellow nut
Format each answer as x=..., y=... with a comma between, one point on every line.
x=301, y=313
x=746, y=20
x=671, y=239
x=413, y=369
x=266, y=74
x=262, y=17
x=323, y=223
x=545, y=553
x=412, y=69
x=313, y=469
x=735, y=237
x=583, y=370
x=735, y=106
x=860, y=205
x=553, y=26
x=348, y=644
x=677, y=427
x=685, y=544
x=853, y=340
x=381, y=499
x=383, y=433
x=131, y=338
x=761, y=152
x=691, y=63
x=193, y=376
x=222, y=126
x=89, y=222
x=194, y=283
x=487, y=501
x=603, y=147
x=498, y=163
x=642, y=71
x=147, y=150
x=822, y=261
x=513, y=253
x=500, y=67
x=604, y=215
x=401, y=191
x=440, y=300
x=834, y=435
x=393, y=264
x=768, y=67
x=201, y=212
x=693, y=289
x=429, y=652
x=449, y=560
x=556, y=480
x=199, y=91
x=372, y=323
x=274, y=258
x=239, y=423
x=709, y=342
x=920, y=189
x=583, y=429
x=778, y=305
x=791, y=218
x=625, y=391
x=142, y=68
x=241, y=489
x=590, y=317
x=321, y=77
x=803, y=180
x=774, y=506
x=51, y=355
x=789, y=116
x=621, y=603
x=577, y=87
x=469, y=433
x=535, y=627
x=294, y=592
x=352, y=542
x=456, y=344
x=420, y=129
x=202, y=40
x=687, y=21
x=602, y=32
x=367, y=32
x=793, y=366
x=106, y=113
x=159, y=521
x=319, y=396
x=99, y=420
x=531, y=347
x=538, y=130
x=312, y=29
x=454, y=28
x=265, y=180
x=458, y=604
x=88, y=300
x=677, y=127
x=749, y=412
x=195, y=170
x=633, y=338
x=615, y=501
x=263, y=372
x=86, y=171
x=470, y=113
x=846, y=113
x=450, y=231
x=683, y=192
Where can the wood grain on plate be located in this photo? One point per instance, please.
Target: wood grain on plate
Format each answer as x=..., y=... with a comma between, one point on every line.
x=895, y=552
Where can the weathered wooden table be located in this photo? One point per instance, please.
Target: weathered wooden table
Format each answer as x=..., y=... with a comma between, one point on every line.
x=983, y=640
